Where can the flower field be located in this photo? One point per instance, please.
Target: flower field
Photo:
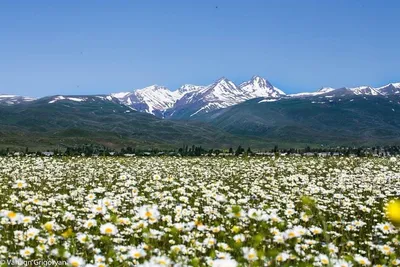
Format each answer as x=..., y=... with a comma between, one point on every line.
x=283, y=211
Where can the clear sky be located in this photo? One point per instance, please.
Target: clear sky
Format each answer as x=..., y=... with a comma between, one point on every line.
x=92, y=47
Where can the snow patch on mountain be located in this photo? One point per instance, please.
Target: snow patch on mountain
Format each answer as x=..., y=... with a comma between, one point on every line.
x=14, y=99
x=364, y=90
x=121, y=95
x=267, y=100
x=207, y=108
x=7, y=96
x=60, y=97
x=321, y=91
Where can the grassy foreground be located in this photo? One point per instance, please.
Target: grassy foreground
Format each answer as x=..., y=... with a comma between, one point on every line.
x=200, y=211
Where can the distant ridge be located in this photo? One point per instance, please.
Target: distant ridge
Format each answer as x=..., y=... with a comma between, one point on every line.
x=194, y=100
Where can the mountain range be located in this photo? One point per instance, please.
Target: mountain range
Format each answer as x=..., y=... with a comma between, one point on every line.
x=191, y=100
x=160, y=101
x=223, y=113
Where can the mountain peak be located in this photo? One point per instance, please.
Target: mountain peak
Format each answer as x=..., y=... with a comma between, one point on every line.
x=222, y=79
x=160, y=101
x=389, y=89
x=260, y=81
x=257, y=77
x=154, y=87
x=326, y=89
x=224, y=84
x=260, y=87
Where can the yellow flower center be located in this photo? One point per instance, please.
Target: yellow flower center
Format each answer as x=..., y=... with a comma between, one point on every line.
x=11, y=215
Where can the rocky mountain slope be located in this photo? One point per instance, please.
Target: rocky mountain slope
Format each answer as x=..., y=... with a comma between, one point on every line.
x=193, y=99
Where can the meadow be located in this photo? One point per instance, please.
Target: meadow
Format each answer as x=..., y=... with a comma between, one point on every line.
x=166, y=211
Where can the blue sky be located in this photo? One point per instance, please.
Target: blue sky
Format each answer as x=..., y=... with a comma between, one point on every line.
x=93, y=47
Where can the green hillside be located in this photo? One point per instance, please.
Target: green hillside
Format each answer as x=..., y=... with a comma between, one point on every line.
x=299, y=122
x=351, y=120
x=39, y=124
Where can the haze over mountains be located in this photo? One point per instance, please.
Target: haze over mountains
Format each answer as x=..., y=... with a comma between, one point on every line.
x=223, y=113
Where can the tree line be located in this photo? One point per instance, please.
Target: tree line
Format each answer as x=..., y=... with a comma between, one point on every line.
x=193, y=150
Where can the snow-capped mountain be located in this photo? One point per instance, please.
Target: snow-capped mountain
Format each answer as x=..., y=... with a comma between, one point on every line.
x=259, y=87
x=223, y=91
x=14, y=99
x=193, y=100
x=389, y=89
x=364, y=90
x=221, y=94
x=321, y=91
x=160, y=101
x=153, y=99
x=79, y=98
